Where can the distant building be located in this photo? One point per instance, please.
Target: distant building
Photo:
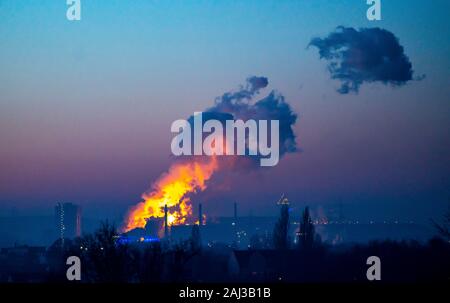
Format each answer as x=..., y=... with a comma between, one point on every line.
x=68, y=220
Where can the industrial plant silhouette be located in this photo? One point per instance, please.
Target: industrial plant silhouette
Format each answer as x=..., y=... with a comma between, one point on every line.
x=220, y=252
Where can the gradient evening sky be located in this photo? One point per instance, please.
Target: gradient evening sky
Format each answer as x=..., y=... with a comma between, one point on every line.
x=86, y=107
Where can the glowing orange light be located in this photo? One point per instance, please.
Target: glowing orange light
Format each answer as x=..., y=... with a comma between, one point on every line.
x=171, y=189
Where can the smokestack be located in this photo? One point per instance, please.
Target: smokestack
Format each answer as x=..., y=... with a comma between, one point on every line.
x=166, y=228
x=200, y=215
x=235, y=212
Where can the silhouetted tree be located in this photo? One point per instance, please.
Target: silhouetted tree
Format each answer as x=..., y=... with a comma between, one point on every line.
x=107, y=260
x=151, y=263
x=444, y=227
x=280, y=231
x=306, y=231
x=179, y=255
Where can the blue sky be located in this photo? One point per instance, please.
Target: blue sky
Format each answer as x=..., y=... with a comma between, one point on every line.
x=86, y=106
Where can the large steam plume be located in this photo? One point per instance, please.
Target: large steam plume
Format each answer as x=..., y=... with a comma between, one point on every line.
x=239, y=105
x=191, y=174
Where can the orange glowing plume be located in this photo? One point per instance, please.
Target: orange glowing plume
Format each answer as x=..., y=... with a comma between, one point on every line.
x=171, y=189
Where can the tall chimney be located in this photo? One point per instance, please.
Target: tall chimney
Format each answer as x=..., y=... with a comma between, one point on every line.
x=200, y=214
x=166, y=228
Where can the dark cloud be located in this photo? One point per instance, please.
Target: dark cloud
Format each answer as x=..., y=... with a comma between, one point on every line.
x=271, y=107
x=253, y=86
x=364, y=55
x=239, y=104
x=254, y=83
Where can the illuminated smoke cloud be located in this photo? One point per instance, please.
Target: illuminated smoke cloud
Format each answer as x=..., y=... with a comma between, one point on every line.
x=238, y=105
